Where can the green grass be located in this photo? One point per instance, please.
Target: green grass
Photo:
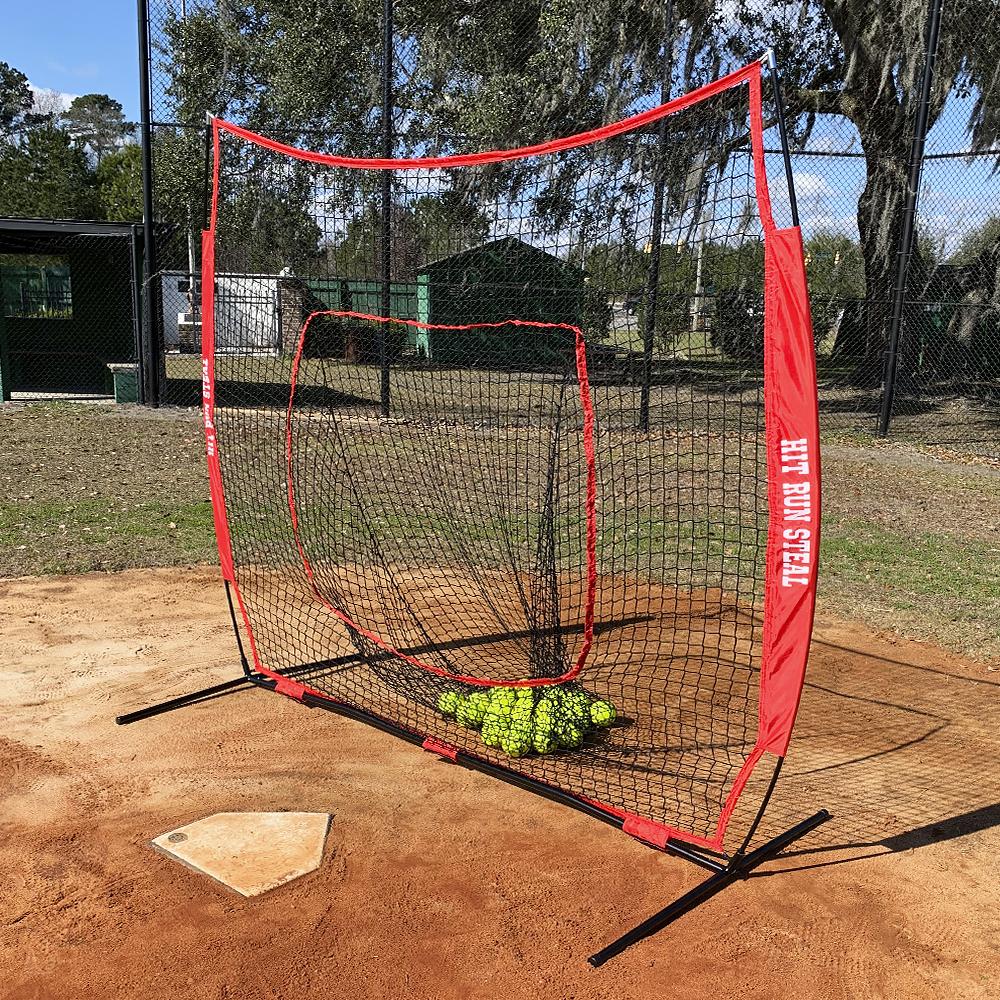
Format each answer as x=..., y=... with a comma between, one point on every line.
x=101, y=488
x=926, y=584
x=911, y=539
x=102, y=534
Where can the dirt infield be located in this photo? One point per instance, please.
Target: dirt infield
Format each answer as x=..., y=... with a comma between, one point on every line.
x=440, y=882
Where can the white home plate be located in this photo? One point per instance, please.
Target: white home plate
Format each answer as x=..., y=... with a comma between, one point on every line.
x=250, y=852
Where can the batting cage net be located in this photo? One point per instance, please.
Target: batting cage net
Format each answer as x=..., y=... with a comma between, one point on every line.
x=517, y=450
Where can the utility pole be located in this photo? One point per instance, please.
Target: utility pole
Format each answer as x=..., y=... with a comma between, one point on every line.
x=385, y=263
x=150, y=355
x=656, y=234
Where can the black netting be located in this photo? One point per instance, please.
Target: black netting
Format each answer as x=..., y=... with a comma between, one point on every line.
x=417, y=490
x=69, y=311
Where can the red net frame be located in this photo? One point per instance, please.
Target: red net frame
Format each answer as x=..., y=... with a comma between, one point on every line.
x=591, y=515
x=791, y=441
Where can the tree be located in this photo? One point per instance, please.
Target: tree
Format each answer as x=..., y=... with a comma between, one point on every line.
x=976, y=242
x=525, y=70
x=16, y=101
x=835, y=268
x=864, y=62
x=48, y=177
x=97, y=123
x=15, y=196
x=119, y=184
x=554, y=68
x=433, y=226
x=268, y=226
x=476, y=74
x=306, y=70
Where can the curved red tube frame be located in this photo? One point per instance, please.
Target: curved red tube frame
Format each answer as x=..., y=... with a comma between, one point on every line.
x=590, y=504
x=791, y=428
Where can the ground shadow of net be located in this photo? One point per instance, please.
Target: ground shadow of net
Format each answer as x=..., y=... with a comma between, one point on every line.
x=900, y=753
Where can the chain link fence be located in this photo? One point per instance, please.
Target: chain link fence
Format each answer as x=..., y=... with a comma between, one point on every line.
x=69, y=310
x=468, y=77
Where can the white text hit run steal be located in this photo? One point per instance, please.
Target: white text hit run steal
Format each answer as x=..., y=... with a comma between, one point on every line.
x=797, y=514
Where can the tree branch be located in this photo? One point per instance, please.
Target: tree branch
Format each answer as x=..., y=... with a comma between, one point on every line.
x=827, y=102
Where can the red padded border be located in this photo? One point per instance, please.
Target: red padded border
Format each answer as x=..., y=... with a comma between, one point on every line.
x=746, y=74
x=793, y=466
x=590, y=502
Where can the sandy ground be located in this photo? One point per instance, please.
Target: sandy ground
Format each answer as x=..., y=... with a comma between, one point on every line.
x=440, y=882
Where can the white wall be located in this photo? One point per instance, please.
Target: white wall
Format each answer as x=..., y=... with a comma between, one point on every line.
x=246, y=311
x=174, y=302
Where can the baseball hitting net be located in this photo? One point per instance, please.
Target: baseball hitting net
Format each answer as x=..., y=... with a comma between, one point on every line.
x=528, y=432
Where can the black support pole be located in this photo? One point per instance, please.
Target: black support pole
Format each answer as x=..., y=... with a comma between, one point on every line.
x=762, y=808
x=656, y=233
x=206, y=192
x=739, y=868
x=724, y=870
x=779, y=108
x=385, y=243
x=192, y=698
x=149, y=356
x=909, y=219
x=135, y=254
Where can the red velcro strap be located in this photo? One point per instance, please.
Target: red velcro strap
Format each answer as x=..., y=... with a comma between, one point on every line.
x=647, y=831
x=290, y=688
x=442, y=749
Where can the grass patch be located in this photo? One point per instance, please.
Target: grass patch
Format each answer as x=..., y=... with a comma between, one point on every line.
x=93, y=487
x=928, y=585
x=910, y=537
x=102, y=534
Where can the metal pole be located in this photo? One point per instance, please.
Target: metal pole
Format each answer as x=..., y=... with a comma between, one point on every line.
x=761, y=809
x=206, y=192
x=149, y=357
x=738, y=868
x=779, y=106
x=182, y=702
x=385, y=264
x=909, y=219
x=656, y=235
x=136, y=272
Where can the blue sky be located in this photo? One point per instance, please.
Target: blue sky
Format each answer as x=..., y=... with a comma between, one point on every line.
x=75, y=47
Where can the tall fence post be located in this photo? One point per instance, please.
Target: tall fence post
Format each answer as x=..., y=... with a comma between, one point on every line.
x=149, y=354
x=385, y=264
x=909, y=218
x=656, y=233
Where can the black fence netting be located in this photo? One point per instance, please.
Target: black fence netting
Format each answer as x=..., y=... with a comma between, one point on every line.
x=465, y=78
x=531, y=495
x=69, y=312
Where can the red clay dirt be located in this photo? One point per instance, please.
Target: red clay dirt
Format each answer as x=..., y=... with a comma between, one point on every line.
x=438, y=881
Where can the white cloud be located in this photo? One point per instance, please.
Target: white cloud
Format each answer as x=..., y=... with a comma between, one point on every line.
x=809, y=185
x=49, y=101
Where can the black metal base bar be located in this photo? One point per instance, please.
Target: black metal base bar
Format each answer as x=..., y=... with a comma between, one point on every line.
x=249, y=677
x=702, y=857
x=740, y=866
x=191, y=698
x=476, y=763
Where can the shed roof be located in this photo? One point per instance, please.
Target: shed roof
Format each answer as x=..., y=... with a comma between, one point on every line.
x=501, y=249
x=37, y=235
